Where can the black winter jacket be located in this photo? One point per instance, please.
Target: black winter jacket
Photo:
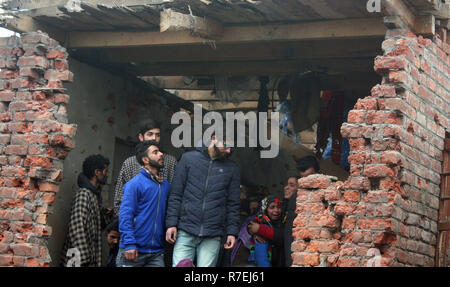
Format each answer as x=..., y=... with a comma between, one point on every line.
x=204, y=199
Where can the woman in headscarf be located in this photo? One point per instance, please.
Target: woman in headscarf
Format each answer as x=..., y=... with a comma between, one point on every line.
x=266, y=246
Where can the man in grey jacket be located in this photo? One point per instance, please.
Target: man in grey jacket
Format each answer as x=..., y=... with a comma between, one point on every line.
x=203, y=204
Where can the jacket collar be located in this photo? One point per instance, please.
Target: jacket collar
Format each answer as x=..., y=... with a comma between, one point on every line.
x=157, y=179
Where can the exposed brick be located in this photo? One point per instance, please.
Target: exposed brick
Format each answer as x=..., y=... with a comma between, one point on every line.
x=61, y=65
x=349, y=131
x=356, y=116
x=383, y=64
x=38, y=161
x=6, y=260
x=323, y=221
x=357, y=183
x=61, y=141
x=49, y=187
x=366, y=104
x=58, y=75
x=314, y=181
x=383, y=91
x=349, y=262
x=323, y=246
x=7, y=96
x=305, y=259
x=61, y=99
x=16, y=150
x=376, y=223
x=379, y=171
x=33, y=61
x=55, y=54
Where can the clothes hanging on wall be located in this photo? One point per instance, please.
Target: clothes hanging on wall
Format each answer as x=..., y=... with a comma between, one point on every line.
x=329, y=138
x=305, y=94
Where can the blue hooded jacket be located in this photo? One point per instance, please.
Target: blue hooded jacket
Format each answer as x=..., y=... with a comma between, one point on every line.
x=142, y=213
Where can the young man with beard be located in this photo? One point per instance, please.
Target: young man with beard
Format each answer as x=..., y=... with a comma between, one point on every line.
x=204, y=204
x=148, y=130
x=84, y=231
x=142, y=211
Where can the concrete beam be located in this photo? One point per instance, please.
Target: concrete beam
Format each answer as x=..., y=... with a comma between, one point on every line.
x=246, y=52
x=336, y=29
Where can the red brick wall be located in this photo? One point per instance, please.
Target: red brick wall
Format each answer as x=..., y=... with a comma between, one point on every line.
x=389, y=205
x=35, y=138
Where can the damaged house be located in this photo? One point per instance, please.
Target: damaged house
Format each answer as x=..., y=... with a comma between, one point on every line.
x=370, y=75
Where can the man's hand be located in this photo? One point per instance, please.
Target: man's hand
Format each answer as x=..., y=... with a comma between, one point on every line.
x=171, y=235
x=131, y=255
x=252, y=228
x=231, y=240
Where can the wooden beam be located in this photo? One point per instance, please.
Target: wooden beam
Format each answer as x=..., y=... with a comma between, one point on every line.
x=26, y=24
x=248, y=51
x=42, y=4
x=332, y=66
x=425, y=4
x=420, y=24
x=336, y=29
x=425, y=25
x=398, y=8
x=443, y=24
x=196, y=26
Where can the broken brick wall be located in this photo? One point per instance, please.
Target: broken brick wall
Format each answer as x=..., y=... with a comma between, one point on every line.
x=386, y=213
x=106, y=107
x=35, y=138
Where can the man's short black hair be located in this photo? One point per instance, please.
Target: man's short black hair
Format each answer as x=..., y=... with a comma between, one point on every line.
x=93, y=162
x=141, y=149
x=113, y=226
x=147, y=125
x=296, y=176
x=306, y=162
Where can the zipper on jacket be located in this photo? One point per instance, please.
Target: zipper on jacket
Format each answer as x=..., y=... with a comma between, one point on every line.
x=157, y=213
x=204, y=198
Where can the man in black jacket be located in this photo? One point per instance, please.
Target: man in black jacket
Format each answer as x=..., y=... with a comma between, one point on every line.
x=203, y=204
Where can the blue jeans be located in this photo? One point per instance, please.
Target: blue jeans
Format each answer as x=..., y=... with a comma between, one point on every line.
x=206, y=249
x=143, y=260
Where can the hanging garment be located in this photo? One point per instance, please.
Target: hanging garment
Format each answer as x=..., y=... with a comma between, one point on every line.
x=329, y=131
x=305, y=94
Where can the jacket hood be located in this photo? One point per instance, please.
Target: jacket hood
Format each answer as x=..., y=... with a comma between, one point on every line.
x=83, y=182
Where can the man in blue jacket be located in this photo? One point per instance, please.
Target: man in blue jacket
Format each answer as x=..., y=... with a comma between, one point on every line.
x=203, y=204
x=142, y=211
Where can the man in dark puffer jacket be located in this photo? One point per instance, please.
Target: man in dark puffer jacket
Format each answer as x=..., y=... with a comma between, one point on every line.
x=203, y=204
